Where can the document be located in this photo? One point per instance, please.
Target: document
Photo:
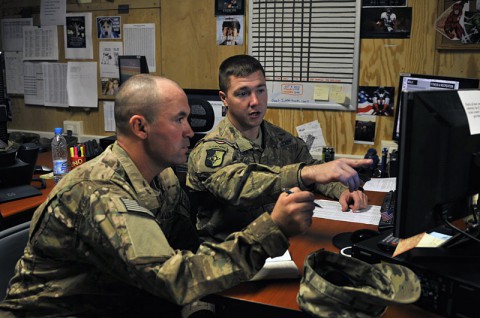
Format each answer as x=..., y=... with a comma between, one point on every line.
x=12, y=33
x=78, y=36
x=14, y=72
x=82, y=84
x=332, y=210
x=278, y=268
x=381, y=184
x=55, y=84
x=108, y=53
x=40, y=43
x=471, y=104
x=108, y=116
x=52, y=12
x=33, y=86
x=312, y=134
x=140, y=40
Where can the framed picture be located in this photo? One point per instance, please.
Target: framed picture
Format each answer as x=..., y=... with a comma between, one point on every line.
x=458, y=25
x=229, y=7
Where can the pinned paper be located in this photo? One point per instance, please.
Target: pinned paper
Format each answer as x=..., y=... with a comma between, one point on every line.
x=321, y=92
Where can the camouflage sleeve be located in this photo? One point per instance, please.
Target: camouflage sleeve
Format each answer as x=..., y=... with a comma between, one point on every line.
x=145, y=258
x=213, y=167
x=332, y=190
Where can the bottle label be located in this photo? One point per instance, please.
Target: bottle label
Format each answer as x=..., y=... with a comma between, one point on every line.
x=60, y=166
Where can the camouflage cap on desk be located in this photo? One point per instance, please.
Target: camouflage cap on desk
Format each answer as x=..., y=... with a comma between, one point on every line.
x=334, y=285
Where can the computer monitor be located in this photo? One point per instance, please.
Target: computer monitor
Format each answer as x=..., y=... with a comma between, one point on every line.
x=129, y=65
x=421, y=82
x=438, y=164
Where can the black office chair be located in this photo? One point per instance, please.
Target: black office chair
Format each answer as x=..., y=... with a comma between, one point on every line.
x=201, y=119
x=12, y=243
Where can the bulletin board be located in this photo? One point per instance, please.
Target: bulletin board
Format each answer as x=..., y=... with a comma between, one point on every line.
x=310, y=51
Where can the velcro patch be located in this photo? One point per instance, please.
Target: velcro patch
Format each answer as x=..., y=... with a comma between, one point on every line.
x=133, y=206
x=214, y=157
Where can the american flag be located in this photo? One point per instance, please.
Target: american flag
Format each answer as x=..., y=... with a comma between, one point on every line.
x=386, y=216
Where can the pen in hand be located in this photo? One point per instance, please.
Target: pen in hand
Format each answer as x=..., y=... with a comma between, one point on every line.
x=288, y=191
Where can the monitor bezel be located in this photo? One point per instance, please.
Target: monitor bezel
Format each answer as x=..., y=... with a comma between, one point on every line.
x=463, y=83
x=424, y=202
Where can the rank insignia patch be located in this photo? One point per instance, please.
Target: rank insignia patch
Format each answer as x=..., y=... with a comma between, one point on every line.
x=214, y=157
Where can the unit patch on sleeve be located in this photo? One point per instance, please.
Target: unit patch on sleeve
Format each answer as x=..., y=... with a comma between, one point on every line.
x=215, y=157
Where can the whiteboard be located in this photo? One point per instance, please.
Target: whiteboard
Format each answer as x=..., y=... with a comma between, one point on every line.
x=310, y=51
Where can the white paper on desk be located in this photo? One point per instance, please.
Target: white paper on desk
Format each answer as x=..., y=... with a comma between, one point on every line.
x=381, y=184
x=12, y=33
x=82, y=84
x=332, y=210
x=278, y=268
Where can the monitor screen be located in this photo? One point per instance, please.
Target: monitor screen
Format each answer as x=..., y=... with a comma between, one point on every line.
x=438, y=164
x=421, y=82
x=129, y=65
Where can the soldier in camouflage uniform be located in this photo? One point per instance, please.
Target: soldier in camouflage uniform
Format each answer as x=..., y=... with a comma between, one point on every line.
x=238, y=169
x=114, y=237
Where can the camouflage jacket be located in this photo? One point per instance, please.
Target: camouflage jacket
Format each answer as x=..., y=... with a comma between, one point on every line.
x=106, y=243
x=234, y=180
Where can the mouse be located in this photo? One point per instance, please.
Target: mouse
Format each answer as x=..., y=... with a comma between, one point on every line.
x=362, y=235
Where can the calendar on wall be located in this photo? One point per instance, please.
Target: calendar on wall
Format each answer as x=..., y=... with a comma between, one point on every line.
x=310, y=51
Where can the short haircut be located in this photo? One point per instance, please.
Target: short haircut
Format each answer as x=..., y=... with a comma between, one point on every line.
x=238, y=66
x=137, y=96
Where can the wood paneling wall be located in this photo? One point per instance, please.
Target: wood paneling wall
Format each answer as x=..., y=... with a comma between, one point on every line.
x=187, y=53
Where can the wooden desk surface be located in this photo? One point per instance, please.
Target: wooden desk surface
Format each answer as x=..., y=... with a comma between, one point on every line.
x=283, y=293
x=275, y=294
x=9, y=209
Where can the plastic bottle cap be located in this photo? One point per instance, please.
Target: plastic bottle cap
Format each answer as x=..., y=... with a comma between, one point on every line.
x=58, y=130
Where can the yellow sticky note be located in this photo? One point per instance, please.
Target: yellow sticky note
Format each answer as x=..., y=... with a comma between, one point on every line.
x=338, y=97
x=320, y=92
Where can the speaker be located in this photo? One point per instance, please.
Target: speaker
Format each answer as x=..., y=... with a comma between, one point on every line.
x=21, y=171
x=28, y=153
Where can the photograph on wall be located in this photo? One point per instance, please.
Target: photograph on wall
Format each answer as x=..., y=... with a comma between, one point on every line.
x=76, y=37
x=386, y=22
x=229, y=7
x=108, y=28
x=384, y=3
x=376, y=100
x=365, y=129
x=230, y=30
x=110, y=86
x=459, y=24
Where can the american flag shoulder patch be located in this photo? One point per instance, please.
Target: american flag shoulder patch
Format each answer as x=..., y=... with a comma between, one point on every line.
x=133, y=206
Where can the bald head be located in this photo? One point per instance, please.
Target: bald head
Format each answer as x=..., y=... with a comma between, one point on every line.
x=142, y=94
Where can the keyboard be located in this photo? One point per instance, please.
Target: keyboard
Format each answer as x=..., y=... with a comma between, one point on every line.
x=387, y=212
x=19, y=192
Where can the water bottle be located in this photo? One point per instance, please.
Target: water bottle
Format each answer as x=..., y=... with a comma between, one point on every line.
x=59, y=155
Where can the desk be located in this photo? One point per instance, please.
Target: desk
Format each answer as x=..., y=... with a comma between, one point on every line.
x=28, y=205
x=277, y=298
